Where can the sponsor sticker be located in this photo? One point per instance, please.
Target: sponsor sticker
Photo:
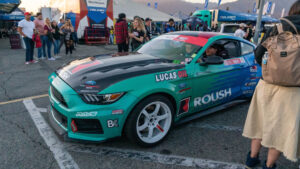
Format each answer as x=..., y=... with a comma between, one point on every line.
x=170, y=76
x=234, y=61
x=213, y=97
x=248, y=91
x=184, y=106
x=250, y=84
x=86, y=114
x=253, y=69
x=112, y=123
x=117, y=111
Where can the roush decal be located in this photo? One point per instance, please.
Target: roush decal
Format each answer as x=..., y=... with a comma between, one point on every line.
x=170, y=76
x=184, y=106
x=234, y=61
x=213, y=97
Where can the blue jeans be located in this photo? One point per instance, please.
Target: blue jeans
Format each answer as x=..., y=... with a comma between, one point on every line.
x=40, y=50
x=44, y=43
x=56, y=47
x=48, y=42
x=29, y=48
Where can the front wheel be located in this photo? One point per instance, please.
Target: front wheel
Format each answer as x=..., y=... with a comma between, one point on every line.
x=150, y=122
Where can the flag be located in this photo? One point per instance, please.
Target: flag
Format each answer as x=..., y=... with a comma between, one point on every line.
x=265, y=8
x=155, y=5
x=206, y=4
x=273, y=9
x=269, y=8
x=149, y=4
x=219, y=2
x=254, y=8
x=283, y=12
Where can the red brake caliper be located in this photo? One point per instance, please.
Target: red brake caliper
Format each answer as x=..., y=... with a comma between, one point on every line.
x=159, y=128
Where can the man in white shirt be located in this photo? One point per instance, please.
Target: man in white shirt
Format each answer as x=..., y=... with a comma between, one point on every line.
x=240, y=32
x=26, y=28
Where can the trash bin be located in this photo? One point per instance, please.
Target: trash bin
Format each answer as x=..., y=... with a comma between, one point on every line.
x=15, y=41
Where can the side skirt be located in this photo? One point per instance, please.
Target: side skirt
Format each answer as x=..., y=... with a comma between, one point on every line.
x=209, y=111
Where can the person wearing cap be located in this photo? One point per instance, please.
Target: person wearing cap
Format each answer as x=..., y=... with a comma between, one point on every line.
x=240, y=32
x=148, y=29
x=26, y=28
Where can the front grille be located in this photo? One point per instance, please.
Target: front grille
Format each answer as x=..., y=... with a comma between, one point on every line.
x=89, y=126
x=60, y=117
x=58, y=96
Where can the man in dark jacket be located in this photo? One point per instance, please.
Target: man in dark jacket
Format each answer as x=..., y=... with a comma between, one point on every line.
x=121, y=33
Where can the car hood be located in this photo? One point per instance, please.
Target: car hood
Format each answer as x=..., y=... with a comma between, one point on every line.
x=92, y=75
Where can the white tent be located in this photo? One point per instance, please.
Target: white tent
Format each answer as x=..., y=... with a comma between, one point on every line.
x=132, y=9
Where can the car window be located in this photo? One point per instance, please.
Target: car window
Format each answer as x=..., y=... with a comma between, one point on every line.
x=246, y=48
x=233, y=48
x=230, y=28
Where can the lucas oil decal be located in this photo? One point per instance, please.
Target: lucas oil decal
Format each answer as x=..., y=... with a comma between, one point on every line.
x=213, y=97
x=170, y=76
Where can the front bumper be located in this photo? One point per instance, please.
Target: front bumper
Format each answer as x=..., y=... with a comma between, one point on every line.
x=83, y=114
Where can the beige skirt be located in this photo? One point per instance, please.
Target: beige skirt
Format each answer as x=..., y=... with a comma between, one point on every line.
x=274, y=117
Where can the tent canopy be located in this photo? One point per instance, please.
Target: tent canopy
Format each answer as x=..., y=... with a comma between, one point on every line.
x=16, y=15
x=132, y=9
x=228, y=16
x=7, y=6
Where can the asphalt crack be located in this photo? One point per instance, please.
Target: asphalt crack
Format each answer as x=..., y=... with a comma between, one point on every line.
x=2, y=86
x=23, y=131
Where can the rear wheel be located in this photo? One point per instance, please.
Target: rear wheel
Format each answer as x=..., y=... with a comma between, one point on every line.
x=150, y=122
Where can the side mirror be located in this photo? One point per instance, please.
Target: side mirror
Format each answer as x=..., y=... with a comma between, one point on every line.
x=211, y=60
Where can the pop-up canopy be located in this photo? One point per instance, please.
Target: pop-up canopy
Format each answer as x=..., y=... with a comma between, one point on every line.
x=229, y=16
x=7, y=6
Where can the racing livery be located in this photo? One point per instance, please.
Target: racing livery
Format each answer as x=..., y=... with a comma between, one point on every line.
x=165, y=82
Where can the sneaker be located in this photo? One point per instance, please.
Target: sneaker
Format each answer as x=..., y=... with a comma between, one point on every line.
x=51, y=58
x=26, y=63
x=252, y=162
x=33, y=61
x=265, y=166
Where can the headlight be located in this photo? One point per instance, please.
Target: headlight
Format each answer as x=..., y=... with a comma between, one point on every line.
x=101, y=99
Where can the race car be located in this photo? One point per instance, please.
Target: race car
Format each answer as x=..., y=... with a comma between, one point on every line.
x=172, y=79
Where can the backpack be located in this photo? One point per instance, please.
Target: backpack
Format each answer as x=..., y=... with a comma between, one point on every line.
x=282, y=65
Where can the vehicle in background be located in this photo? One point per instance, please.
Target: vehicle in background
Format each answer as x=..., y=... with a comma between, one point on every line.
x=228, y=28
x=204, y=15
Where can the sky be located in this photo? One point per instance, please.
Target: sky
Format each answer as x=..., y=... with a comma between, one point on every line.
x=34, y=5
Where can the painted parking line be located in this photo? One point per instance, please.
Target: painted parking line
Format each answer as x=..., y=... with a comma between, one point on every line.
x=153, y=157
x=22, y=99
x=63, y=158
x=216, y=127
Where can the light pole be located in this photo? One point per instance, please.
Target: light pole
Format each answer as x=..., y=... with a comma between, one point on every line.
x=260, y=3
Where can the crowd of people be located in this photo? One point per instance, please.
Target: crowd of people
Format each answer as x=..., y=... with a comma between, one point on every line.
x=43, y=34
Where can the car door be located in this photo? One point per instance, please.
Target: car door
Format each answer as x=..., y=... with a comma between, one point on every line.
x=219, y=83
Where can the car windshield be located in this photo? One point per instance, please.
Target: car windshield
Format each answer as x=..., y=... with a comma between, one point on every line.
x=230, y=28
x=172, y=47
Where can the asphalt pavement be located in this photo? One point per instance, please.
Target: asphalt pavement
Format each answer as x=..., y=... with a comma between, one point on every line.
x=27, y=141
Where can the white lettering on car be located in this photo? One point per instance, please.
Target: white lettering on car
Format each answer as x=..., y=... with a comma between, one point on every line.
x=86, y=114
x=213, y=97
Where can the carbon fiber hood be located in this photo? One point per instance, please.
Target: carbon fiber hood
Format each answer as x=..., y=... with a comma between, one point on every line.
x=94, y=74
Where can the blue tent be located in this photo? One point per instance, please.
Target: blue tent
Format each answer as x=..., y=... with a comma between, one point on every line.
x=16, y=15
x=7, y=6
x=228, y=16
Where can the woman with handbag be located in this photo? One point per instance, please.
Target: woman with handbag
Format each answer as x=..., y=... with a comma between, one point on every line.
x=274, y=114
x=48, y=37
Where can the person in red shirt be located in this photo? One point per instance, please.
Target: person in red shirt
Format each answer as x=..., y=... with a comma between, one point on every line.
x=121, y=33
x=37, y=39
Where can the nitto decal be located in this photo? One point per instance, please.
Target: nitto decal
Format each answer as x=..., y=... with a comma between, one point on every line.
x=86, y=114
x=112, y=123
x=213, y=97
x=170, y=76
x=184, y=106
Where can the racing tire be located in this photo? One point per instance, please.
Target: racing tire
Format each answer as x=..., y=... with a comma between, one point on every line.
x=150, y=121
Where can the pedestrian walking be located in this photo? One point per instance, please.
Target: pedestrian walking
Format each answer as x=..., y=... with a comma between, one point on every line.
x=39, y=26
x=121, y=33
x=26, y=28
x=137, y=34
x=48, y=31
x=274, y=115
x=67, y=30
x=56, y=39
x=240, y=32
